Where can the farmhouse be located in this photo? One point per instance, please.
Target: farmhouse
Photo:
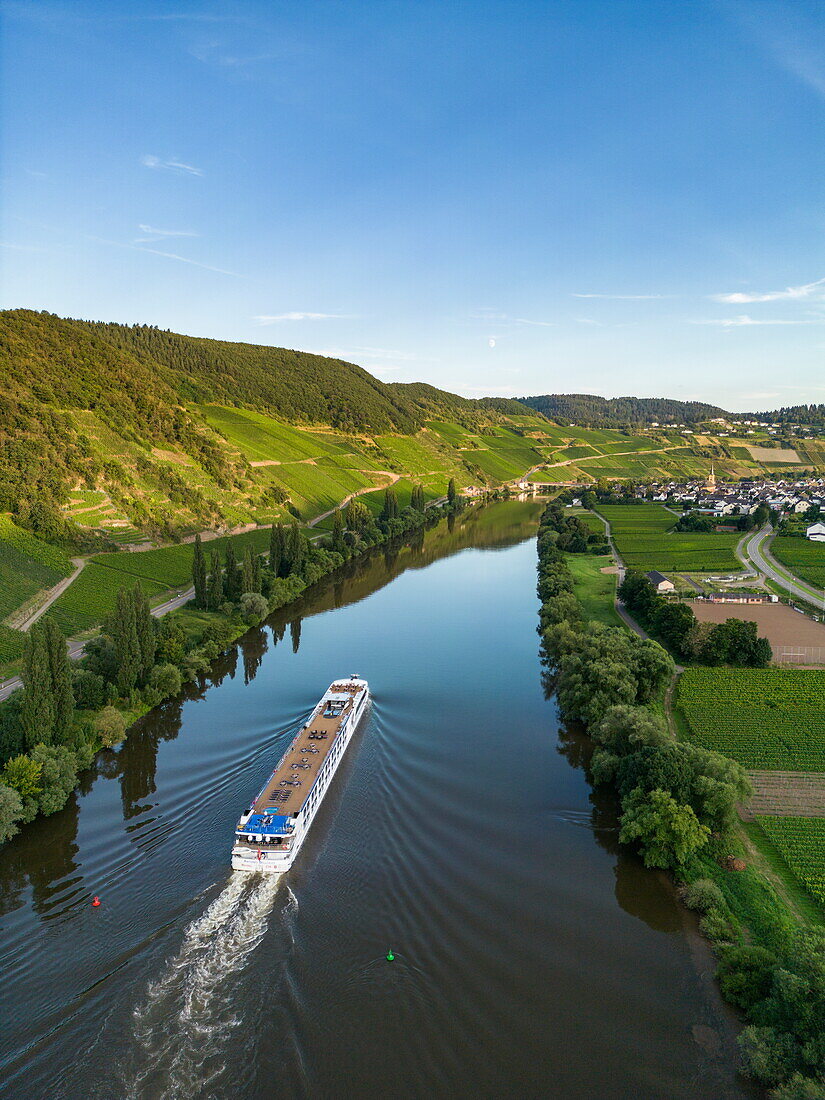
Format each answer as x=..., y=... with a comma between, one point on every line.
x=659, y=581
x=816, y=532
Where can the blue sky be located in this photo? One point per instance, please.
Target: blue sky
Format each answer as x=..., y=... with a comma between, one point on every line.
x=605, y=196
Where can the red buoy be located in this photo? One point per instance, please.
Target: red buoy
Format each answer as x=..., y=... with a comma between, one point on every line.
x=96, y=901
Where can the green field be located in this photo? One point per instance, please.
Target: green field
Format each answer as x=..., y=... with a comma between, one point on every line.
x=262, y=439
x=27, y=565
x=804, y=558
x=801, y=843
x=644, y=540
x=11, y=644
x=90, y=598
x=764, y=718
x=595, y=591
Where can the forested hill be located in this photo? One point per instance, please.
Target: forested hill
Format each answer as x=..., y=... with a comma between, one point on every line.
x=97, y=405
x=589, y=409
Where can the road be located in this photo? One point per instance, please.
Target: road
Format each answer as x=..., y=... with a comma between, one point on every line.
x=756, y=551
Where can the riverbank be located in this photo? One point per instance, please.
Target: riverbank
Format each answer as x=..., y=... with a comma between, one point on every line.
x=678, y=808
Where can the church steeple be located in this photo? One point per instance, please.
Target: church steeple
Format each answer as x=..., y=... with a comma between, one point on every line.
x=710, y=484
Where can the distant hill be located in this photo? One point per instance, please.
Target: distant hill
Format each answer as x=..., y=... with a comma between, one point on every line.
x=592, y=410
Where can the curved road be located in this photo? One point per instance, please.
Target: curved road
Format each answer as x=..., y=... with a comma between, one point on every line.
x=755, y=549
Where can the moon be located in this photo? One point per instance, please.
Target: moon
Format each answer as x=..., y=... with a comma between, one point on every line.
x=491, y=342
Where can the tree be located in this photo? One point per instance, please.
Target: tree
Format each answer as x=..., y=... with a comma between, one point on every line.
x=295, y=550
x=451, y=491
x=276, y=548
x=199, y=574
x=59, y=772
x=110, y=727
x=666, y=831
x=675, y=624
x=215, y=591
x=417, y=498
x=253, y=607
x=231, y=575
x=357, y=516
x=23, y=775
x=123, y=631
x=145, y=629
x=248, y=571
x=37, y=712
x=61, y=677
x=390, y=509
x=11, y=812
x=337, y=530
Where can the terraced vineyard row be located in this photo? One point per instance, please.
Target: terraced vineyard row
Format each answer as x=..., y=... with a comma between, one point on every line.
x=801, y=843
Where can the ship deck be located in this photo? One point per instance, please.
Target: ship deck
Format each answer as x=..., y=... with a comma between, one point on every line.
x=304, y=758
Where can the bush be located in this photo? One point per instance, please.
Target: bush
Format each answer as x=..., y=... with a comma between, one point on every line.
x=745, y=975
x=166, y=680
x=110, y=727
x=704, y=895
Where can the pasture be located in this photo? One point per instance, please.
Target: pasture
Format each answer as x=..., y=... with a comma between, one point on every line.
x=764, y=718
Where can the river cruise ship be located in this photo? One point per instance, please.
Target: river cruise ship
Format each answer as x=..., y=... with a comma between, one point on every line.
x=269, y=835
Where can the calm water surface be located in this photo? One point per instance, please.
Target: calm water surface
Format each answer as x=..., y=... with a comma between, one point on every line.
x=533, y=959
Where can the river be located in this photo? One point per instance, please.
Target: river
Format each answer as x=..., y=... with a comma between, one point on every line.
x=533, y=958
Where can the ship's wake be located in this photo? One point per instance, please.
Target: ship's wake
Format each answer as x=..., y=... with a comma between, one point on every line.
x=182, y=1026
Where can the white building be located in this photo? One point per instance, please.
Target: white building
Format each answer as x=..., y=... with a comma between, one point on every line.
x=816, y=532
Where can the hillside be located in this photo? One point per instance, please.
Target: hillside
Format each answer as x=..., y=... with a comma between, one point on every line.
x=589, y=409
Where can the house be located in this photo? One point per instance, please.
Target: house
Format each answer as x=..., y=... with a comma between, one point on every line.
x=660, y=581
x=816, y=532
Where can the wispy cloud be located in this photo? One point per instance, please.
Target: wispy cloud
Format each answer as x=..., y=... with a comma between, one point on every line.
x=626, y=297
x=789, y=294
x=176, y=166
x=744, y=321
x=588, y=321
x=491, y=316
x=296, y=315
x=165, y=255
x=154, y=234
x=541, y=324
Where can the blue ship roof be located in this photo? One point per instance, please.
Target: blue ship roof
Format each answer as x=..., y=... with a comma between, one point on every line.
x=267, y=824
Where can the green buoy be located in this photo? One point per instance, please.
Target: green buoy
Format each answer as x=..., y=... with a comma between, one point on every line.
x=390, y=956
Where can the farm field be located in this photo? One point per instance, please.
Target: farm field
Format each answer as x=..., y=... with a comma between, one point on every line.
x=801, y=843
x=27, y=565
x=90, y=598
x=802, y=556
x=784, y=628
x=595, y=590
x=765, y=718
x=644, y=540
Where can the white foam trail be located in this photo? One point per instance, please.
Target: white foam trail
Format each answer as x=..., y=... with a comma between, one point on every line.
x=189, y=1012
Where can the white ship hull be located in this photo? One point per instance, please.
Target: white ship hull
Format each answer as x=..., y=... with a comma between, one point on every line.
x=250, y=854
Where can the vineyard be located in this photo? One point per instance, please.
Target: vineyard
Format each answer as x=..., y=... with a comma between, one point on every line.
x=803, y=557
x=801, y=843
x=27, y=565
x=764, y=718
x=644, y=539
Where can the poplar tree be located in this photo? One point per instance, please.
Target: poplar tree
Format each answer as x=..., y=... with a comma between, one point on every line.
x=296, y=549
x=276, y=548
x=61, y=680
x=125, y=639
x=248, y=571
x=256, y=573
x=390, y=509
x=337, y=530
x=199, y=573
x=451, y=492
x=37, y=708
x=231, y=575
x=215, y=593
x=417, y=498
x=145, y=628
